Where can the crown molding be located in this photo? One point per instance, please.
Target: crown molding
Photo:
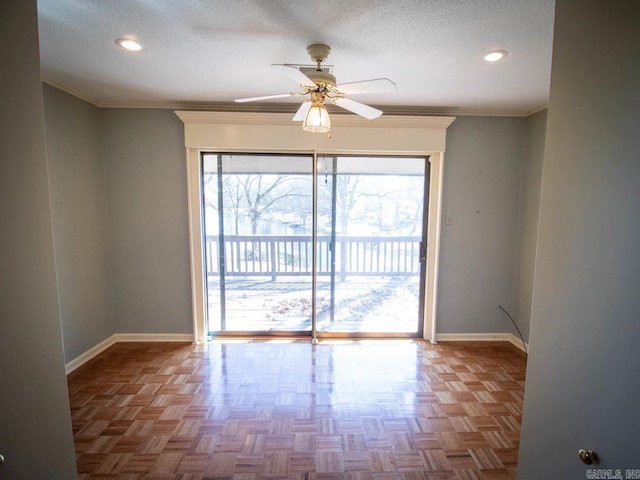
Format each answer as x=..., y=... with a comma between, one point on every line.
x=291, y=108
x=261, y=118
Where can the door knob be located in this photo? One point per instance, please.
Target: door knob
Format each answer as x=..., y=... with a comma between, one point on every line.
x=588, y=456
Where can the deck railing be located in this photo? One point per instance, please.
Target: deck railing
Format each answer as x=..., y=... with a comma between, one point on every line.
x=290, y=255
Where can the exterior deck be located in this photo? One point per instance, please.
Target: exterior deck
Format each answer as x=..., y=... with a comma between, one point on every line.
x=365, y=284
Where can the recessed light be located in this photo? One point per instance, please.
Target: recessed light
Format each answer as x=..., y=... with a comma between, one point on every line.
x=129, y=44
x=495, y=55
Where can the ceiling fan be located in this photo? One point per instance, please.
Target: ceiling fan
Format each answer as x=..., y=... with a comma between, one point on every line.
x=320, y=85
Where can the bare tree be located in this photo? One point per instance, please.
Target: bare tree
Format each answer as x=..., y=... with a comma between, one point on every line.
x=302, y=202
x=261, y=192
x=416, y=195
x=347, y=195
x=380, y=201
x=253, y=195
x=232, y=195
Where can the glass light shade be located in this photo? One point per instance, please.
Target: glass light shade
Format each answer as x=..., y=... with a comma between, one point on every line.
x=317, y=120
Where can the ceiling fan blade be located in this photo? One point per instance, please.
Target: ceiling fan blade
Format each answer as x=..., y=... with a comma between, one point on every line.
x=377, y=85
x=265, y=97
x=356, y=107
x=302, y=111
x=299, y=77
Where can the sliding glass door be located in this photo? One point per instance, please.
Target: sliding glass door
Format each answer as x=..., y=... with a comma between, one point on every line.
x=371, y=240
x=258, y=212
x=369, y=250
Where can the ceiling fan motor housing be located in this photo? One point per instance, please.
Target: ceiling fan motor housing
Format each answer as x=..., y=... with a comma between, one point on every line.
x=320, y=77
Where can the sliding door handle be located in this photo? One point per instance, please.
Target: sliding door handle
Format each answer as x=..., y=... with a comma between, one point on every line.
x=423, y=251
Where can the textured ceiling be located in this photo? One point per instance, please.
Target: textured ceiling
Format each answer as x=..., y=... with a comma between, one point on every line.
x=205, y=53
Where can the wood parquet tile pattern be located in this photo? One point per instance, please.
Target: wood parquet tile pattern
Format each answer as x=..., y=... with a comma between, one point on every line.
x=286, y=409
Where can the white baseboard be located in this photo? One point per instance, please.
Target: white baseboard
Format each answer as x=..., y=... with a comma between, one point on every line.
x=89, y=354
x=154, y=337
x=482, y=337
x=125, y=337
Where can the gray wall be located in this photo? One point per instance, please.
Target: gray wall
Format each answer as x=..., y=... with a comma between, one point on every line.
x=145, y=163
x=529, y=211
x=79, y=215
x=481, y=191
x=119, y=213
x=35, y=423
x=144, y=160
x=582, y=384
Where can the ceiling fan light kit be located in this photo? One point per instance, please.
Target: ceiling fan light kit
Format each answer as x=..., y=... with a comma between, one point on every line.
x=317, y=118
x=321, y=86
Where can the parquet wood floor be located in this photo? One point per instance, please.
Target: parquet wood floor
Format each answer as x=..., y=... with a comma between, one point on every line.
x=286, y=409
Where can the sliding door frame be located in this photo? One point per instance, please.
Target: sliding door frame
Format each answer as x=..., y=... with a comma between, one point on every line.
x=220, y=132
